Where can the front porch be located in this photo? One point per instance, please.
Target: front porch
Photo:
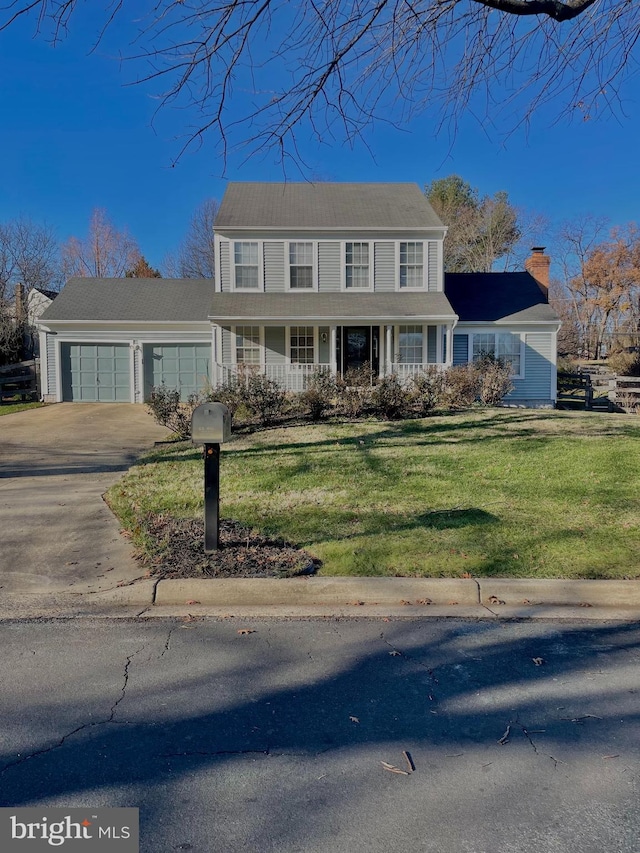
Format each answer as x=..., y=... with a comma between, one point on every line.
x=290, y=355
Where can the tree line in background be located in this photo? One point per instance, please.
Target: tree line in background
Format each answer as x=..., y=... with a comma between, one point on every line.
x=595, y=286
x=32, y=258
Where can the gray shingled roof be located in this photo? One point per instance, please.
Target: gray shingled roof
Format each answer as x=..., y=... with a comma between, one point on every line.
x=138, y=299
x=421, y=307
x=493, y=296
x=325, y=205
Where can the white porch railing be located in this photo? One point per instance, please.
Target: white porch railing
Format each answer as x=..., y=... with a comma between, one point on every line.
x=405, y=371
x=292, y=377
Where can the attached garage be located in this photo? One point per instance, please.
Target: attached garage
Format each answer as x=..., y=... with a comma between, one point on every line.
x=96, y=372
x=186, y=367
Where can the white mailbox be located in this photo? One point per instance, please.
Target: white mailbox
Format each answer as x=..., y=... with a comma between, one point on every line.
x=210, y=424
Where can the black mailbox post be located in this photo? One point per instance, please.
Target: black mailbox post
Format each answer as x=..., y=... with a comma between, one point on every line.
x=210, y=426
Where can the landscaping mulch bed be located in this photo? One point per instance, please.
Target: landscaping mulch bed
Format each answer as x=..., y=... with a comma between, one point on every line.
x=243, y=553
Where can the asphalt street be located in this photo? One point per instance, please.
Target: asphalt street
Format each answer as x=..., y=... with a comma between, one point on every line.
x=235, y=734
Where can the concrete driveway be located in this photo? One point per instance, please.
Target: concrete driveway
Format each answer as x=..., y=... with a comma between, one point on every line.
x=56, y=532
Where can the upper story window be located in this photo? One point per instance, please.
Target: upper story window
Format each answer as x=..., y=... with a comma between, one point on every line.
x=411, y=265
x=502, y=345
x=246, y=265
x=357, y=266
x=301, y=266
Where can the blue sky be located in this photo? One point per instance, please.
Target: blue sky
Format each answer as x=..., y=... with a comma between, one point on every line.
x=74, y=137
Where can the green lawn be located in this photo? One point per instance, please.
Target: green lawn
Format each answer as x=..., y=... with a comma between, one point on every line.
x=10, y=408
x=516, y=493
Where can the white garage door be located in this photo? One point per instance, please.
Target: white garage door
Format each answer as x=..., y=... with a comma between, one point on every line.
x=96, y=373
x=186, y=367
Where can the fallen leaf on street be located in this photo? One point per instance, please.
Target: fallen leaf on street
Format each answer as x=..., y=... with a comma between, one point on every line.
x=354, y=719
x=610, y=756
x=424, y=601
x=538, y=661
x=192, y=601
x=395, y=654
x=246, y=631
x=392, y=769
x=493, y=599
x=505, y=737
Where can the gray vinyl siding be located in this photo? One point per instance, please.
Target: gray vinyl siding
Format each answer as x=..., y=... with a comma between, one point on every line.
x=226, y=345
x=275, y=345
x=329, y=271
x=274, y=267
x=432, y=344
x=52, y=383
x=538, y=368
x=225, y=268
x=432, y=265
x=384, y=267
x=324, y=348
x=460, y=349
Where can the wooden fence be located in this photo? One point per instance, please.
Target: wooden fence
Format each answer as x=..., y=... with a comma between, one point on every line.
x=20, y=381
x=624, y=391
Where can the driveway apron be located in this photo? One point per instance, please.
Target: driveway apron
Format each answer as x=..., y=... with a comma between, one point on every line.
x=56, y=532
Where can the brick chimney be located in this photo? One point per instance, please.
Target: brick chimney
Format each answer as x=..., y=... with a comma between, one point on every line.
x=20, y=310
x=538, y=265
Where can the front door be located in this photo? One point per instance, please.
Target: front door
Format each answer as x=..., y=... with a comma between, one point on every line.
x=360, y=346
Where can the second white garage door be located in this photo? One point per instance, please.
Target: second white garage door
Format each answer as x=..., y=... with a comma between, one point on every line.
x=186, y=367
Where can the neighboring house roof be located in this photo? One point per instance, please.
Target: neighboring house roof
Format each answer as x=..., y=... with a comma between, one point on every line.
x=131, y=299
x=50, y=294
x=483, y=297
x=325, y=205
x=407, y=307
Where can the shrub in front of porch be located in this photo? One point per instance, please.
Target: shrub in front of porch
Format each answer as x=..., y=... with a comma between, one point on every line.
x=392, y=399
x=320, y=394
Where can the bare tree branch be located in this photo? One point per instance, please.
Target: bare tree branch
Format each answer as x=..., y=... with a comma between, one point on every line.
x=264, y=73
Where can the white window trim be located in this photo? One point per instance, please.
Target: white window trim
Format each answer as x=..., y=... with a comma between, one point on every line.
x=343, y=270
x=234, y=345
x=425, y=267
x=287, y=344
x=396, y=342
x=494, y=332
x=232, y=267
x=287, y=267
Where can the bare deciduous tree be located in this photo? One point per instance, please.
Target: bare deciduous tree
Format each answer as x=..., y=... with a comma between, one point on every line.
x=29, y=254
x=196, y=257
x=481, y=230
x=332, y=67
x=106, y=252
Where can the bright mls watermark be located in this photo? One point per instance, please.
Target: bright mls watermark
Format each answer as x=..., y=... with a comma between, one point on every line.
x=104, y=830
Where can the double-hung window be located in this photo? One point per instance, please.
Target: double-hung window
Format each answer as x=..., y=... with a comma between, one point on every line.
x=248, y=344
x=410, y=344
x=411, y=265
x=357, y=266
x=301, y=349
x=301, y=266
x=246, y=265
x=504, y=346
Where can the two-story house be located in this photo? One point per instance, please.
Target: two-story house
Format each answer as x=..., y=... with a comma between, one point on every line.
x=309, y=276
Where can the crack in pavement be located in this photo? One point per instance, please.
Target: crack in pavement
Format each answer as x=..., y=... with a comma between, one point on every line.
x=22, y=759
x=516, y=723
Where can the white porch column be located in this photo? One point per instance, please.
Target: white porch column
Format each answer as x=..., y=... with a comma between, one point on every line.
x=441, y=331
x=449, y=339
x=389, y=349
x=425, y=343
x=381, y=354
x=333, y=347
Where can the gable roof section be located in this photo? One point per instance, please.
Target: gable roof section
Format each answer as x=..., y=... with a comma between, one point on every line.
x=325, y=205
x=329, y=307
x=494, y=297
x=131, y=299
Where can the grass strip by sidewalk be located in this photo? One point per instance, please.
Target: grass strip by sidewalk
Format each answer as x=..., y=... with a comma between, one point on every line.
x=510, y=493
